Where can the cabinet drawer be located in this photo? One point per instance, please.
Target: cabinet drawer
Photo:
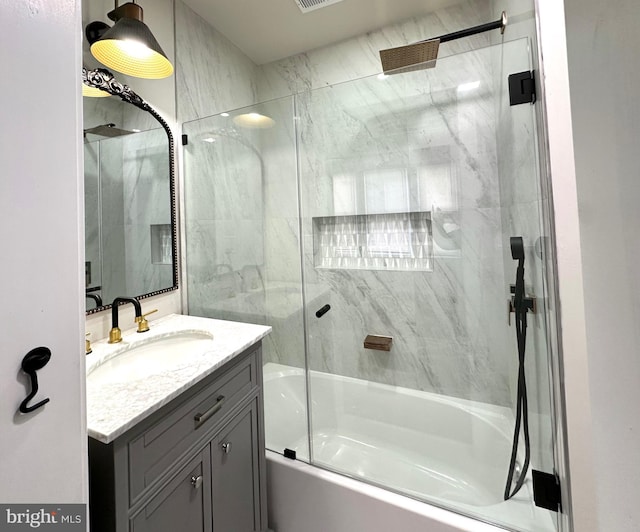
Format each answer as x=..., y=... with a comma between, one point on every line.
x=152, y=451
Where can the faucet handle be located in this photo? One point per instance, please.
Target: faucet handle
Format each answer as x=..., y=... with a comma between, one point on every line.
x=143, y=324
x=87, y=344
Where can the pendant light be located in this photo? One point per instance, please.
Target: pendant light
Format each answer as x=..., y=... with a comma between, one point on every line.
x=129, y=46
x=254, y=121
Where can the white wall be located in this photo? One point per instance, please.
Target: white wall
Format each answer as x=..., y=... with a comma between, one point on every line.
x=43, y=455
x=602, y=44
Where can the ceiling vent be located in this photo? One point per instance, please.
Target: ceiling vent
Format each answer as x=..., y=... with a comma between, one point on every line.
x=311, y=5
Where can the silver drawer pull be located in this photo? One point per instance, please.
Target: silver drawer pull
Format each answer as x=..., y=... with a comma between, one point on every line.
x=201, y=418
x=196, y=482
x=226, y=447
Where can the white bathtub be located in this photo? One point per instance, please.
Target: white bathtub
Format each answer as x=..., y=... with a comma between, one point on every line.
x=451, y=452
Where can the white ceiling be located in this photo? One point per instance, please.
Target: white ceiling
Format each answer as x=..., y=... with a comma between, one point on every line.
x=267, y=30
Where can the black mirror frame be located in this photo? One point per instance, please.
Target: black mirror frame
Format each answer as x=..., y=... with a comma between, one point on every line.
x=101, y=78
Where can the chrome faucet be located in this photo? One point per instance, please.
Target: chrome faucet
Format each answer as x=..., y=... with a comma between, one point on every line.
x=115, y=334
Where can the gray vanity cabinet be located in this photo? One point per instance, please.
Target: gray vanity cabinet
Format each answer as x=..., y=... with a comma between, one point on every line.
x=195, y=465
x=182, y=505
x=234, y=464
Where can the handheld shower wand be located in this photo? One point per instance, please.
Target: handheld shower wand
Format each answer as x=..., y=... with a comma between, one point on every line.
x=520, y=306
x=517, y=253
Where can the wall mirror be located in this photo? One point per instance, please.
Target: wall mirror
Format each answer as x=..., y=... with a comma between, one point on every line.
x=130, y=205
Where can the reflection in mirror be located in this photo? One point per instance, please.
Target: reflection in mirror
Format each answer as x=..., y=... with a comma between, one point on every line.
x=130, y=220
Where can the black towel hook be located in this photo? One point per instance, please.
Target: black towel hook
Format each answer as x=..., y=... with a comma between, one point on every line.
x=34, y=360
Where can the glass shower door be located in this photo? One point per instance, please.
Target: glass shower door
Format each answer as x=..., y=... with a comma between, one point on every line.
x=243, y=247
x=411, y=186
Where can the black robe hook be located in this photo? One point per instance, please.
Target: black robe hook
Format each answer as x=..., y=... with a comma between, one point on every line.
x=34, y=360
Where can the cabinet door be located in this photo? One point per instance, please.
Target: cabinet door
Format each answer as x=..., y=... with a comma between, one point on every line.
x=235, y=474
x=183, y=504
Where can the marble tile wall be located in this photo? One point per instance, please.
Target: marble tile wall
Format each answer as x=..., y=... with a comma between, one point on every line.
x=99, y=111
x=224, y=213
x=212, y=74
x=348, y=61
x=358, y=57
x=449, y=325
x=146, y=203
x=240, y=191
x=92, y=214
x=112, y=219
x=106, y=160
x=282, y=254
x=127, y=191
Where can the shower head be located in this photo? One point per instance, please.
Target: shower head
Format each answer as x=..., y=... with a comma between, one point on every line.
x=517, y=248
x=423, y=54
x=411, y=57
x=107, y=130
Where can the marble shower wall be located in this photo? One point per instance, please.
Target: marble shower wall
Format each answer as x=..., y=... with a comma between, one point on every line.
x=358, y=57
x=147, y=211
x=92, y=214
x=126, y=199
x=436, y=132
x=112, y=219
x=240, y=192
x=449, y=325
x=225, y=217
x=212, y=74
x=243, y=252
x=448, y=336
x=115, y=267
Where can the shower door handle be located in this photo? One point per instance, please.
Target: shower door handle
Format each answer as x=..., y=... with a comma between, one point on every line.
x=322, y=311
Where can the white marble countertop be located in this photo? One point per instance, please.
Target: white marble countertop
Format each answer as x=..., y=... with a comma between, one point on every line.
x=115, y=407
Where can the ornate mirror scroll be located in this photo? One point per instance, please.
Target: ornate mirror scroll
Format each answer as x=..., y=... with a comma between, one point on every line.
x=130, y=200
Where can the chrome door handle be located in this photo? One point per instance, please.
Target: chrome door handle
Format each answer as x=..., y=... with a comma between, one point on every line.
x=196, y=482
x=226, y=447
x=201, y=418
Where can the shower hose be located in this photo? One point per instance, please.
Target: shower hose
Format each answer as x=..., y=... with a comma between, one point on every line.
x=522, y=416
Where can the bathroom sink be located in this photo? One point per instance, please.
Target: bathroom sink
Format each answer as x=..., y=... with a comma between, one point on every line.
x=148, y=357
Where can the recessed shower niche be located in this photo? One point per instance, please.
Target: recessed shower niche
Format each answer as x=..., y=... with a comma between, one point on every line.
x=389, y=241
